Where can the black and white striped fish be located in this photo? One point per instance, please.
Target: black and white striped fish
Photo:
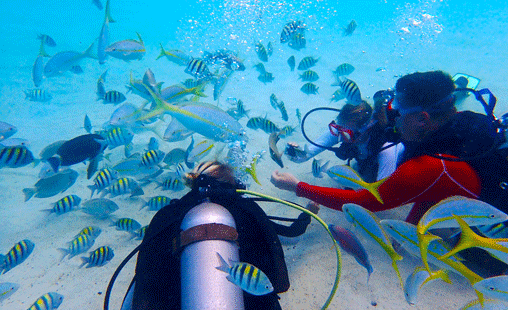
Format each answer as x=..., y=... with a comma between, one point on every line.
x=15, y=156
x=113, y=96
x=16, y=255
x=290, y=28
x=48, y=301
x=103, y=179
x=349, y=90
x=37, y=94
x=262, y=123
x=64, y=205
x=98, y=258
x=197, y=68
x=80, y=244
x=307, y=62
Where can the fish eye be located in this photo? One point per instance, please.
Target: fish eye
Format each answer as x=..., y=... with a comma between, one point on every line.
x=492, y=288
x=492, y=216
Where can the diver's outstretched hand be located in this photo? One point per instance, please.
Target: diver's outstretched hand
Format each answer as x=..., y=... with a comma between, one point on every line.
x=284, y=180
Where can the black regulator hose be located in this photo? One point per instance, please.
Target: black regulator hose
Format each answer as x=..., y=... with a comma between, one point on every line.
x=333, y=149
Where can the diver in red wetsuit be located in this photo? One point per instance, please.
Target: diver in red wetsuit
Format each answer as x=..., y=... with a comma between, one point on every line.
x=429, y=125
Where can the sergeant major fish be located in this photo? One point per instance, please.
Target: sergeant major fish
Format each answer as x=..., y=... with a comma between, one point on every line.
x=78, y=245
x=350, y=28
x=297, y=41
x=349, y=90
x=262, y=123
x=15, y=156
x=64, y=205
x=291, y=28
x=291, y=62
x=16, y=255
x=48, y=301
x=248, y=277
x=38, y=95
x=98, y=258
x=261, y=52
x=307, y=62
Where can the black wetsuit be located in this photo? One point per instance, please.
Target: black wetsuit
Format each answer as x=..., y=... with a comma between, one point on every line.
x=157, y=275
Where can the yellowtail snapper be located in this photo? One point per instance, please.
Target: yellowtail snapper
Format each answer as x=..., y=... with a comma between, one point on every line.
x=309, y=76
x=220, y=83
x=309, y=88
x=7, y=289
x=307, y=62
x=291, y=62
x=350, y=28
x=15, y=156
x=246, y=276
x=127, y=49
x=103, y=179
x=261, y=52
x=38, y=95
x=64, y=205
x=103, y=40
x=98, y=258
x=48, y=301
x=16, y=255
x=176, y=56
x=80, y=244
x=262, y=123
x=199, y=151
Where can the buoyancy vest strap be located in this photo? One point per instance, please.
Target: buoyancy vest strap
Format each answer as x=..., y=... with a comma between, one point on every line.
x=210, y=231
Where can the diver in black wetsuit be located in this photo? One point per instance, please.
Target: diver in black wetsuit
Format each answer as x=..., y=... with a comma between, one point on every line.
x=158, y=279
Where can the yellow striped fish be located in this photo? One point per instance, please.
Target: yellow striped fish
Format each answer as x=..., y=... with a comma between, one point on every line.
x=248, y=277
x=98, y=257
x=16, y=255
x=48, y=301
x=80, y=244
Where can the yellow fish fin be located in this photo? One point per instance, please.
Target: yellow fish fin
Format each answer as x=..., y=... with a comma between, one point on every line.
x=423, y=243
x=252, y=170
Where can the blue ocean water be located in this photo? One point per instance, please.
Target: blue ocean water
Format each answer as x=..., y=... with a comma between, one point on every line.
x=392, y=38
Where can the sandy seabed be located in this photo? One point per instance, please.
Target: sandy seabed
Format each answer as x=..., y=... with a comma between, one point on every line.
x=310, y=257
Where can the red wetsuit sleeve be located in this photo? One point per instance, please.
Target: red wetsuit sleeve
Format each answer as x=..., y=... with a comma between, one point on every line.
x=422, y=180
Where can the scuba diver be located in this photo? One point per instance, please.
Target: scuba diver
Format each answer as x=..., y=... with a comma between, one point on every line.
x=446, y=153
x=367, y=135
x=177, y=260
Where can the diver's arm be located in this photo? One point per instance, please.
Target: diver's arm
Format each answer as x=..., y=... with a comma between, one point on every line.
x=297, y=228
x=326, y=139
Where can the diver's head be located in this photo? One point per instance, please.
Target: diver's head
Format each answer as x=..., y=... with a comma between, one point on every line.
x=425, y=102
x=211, y=169
x=354, y=116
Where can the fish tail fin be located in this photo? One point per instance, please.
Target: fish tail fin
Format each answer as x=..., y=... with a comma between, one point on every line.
x=89, y=52
x=252, y=170
x=224, y=266
x=64, y=253
x=198, y=90
x=92, y=188
x=84, y=261
x=396, y=268
x=108, y=13
x=163, y=52
x=468, y=238
x=29, y=192
x=373, y=188
x=423, y=244
x=42, y=51
x=140, y=40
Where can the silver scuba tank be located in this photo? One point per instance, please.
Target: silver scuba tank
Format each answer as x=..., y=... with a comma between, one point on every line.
x=204, y=286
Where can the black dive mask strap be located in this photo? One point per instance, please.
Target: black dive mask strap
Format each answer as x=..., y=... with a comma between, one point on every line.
x=488, y=107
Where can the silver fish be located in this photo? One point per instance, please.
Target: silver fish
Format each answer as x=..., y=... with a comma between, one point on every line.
x=7, y=289
x=51, y=150
x=104, y=36
x=99, y=207
x=7, y=130
x=52, y=185
x=127, y=49
x=38, y=69
x=176, y=56
x=45, y=39
x=176, y=132
x=64, y=61
x=15, y=142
